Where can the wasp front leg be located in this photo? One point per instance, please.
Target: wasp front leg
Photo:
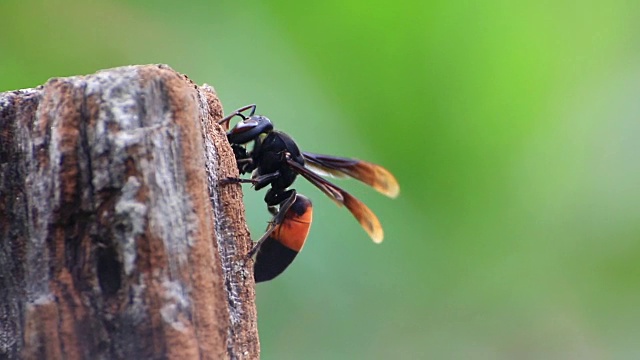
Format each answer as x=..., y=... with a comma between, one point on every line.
x=258, y=182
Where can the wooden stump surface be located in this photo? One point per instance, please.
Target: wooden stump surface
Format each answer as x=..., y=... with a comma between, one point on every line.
x=116, y=239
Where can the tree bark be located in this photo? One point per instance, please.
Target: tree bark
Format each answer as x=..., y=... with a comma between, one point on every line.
x=116, y=238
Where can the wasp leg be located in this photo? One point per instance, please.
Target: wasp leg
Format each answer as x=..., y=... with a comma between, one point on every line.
x=259, y=182
x=277, y=219
x=232, y=180
x=266, y=179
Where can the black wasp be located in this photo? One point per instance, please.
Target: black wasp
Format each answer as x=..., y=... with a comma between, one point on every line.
x=276, y=160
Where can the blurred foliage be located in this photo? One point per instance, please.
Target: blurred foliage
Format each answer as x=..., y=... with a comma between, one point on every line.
x=513, y=127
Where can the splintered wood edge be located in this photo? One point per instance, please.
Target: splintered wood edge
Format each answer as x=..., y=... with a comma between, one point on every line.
x=234, y=240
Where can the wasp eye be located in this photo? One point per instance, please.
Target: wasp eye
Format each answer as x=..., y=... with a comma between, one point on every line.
x=245, y=125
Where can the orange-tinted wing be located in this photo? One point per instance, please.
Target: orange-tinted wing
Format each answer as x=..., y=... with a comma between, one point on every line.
x=367, y=219
x=371, y=174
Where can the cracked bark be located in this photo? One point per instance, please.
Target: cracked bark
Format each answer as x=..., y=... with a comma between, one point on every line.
x=116, y=240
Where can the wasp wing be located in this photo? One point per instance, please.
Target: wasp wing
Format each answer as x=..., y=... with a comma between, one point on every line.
x=367, y=219
x=371, y=174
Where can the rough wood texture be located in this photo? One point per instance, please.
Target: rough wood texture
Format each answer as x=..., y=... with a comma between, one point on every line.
x=116, y=240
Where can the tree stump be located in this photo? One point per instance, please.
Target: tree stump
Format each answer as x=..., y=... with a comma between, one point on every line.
x=116, y=239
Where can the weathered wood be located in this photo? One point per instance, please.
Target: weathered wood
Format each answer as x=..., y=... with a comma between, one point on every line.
x=116, y=239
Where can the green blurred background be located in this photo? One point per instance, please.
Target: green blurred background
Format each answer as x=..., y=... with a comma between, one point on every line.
x=513, y=128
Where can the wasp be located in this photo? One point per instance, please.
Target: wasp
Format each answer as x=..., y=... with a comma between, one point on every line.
x=275, y=160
